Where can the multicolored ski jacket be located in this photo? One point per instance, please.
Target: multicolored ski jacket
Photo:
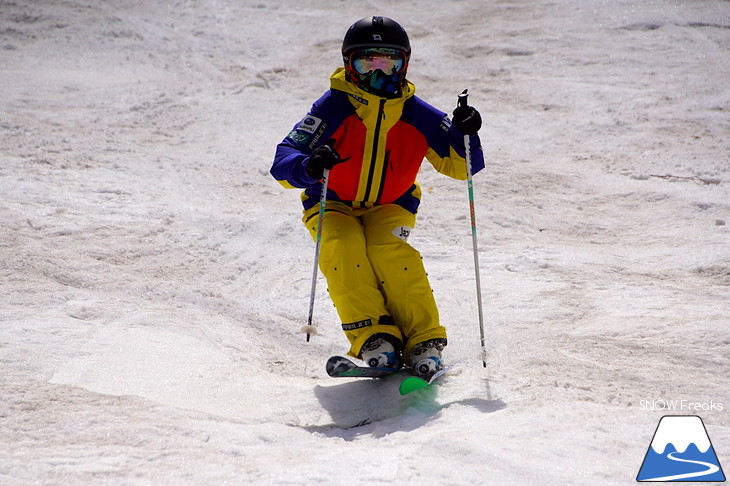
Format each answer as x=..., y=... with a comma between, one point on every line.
x=384, y=140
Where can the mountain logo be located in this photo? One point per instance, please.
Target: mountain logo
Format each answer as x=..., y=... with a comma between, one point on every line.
x=681, y=451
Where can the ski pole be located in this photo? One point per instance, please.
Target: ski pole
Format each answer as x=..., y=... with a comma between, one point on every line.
x=310, y=329
x=463, y=103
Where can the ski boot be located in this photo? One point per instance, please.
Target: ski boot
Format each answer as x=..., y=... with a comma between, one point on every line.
x=426, y=358
x=382, y=351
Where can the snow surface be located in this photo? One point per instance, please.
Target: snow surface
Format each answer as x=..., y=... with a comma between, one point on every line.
x=154, y=277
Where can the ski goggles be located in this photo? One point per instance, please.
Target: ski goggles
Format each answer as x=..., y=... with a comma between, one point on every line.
x=389, y=61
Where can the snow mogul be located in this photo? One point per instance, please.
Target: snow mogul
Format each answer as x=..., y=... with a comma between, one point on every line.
x=369, y=134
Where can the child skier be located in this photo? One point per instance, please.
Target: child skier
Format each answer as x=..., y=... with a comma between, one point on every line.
x=372, y=133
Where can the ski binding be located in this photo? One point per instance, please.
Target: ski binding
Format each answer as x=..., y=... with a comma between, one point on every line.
x=341, y=367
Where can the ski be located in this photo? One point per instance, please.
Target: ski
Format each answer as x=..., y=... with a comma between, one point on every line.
x=339, y=366
x=413, y=383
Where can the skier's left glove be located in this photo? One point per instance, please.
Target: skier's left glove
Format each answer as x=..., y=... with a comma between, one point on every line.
x=467, y=119
x=321, y=158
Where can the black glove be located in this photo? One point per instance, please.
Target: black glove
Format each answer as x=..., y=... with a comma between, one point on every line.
x=321, y=158
x=467, y=119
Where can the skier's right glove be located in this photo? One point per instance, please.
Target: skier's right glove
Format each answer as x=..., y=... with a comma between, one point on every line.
x=321, y=158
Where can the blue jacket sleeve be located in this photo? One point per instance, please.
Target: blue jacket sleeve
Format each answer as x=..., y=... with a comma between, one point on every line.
x=325, y=116
x=475, y=148
x=289, y=167
x=446, y=142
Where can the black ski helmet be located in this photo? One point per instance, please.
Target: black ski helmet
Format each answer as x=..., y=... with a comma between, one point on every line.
x=376, y=32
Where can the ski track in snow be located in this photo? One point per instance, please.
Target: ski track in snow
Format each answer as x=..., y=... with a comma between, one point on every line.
x=154, y=277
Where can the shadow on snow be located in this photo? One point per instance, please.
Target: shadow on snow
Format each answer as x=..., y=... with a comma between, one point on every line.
x=375, y=407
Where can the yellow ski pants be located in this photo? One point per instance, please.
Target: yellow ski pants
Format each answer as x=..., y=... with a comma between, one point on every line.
x=376, y=280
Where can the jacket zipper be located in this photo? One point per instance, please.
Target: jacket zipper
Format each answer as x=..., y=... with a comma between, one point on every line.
x=374, y=157
x=386, y=164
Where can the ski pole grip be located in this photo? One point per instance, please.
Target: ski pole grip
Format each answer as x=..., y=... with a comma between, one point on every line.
x=462, y=99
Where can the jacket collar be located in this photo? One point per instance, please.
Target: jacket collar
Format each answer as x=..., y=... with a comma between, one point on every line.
x=366, y=104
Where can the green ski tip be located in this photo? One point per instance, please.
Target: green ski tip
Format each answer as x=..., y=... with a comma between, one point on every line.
x=411, y=384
